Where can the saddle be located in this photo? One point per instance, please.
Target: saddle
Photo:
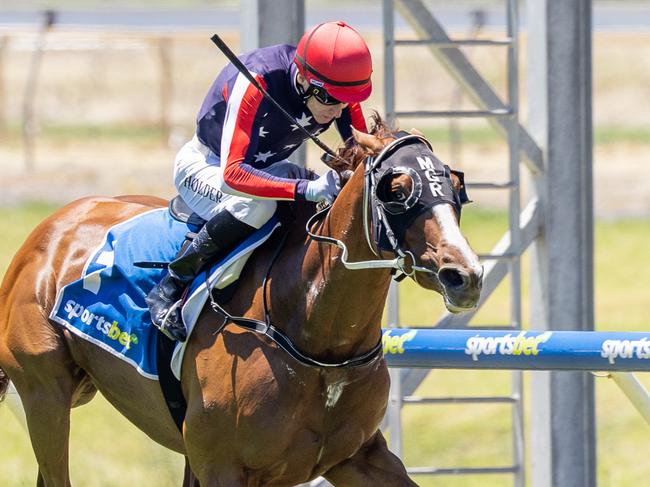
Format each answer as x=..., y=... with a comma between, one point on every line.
x=179, y=211
x=106, y=304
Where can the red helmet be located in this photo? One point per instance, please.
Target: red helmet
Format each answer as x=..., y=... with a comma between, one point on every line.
x=335, y=57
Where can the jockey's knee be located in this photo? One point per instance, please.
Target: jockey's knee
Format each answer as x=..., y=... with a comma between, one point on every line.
x=253, y=212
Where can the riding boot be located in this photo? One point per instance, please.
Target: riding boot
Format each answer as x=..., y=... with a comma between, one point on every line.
x=212, y=242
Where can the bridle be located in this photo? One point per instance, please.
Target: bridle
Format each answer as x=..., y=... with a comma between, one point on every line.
x=403, y=263
x=375, y=211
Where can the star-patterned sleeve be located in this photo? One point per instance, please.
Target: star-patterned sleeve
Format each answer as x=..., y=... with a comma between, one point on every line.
x=239, y=141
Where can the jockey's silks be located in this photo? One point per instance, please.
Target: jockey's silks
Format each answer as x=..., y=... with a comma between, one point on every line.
x=249, y=134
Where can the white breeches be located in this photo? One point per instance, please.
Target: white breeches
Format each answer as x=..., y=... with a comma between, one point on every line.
x=198, y=178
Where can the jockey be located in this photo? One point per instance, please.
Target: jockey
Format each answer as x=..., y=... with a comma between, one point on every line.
x=235, y=168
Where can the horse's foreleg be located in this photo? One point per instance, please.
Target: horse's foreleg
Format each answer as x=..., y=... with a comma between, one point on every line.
x=189, y=479
x=219, y=475
x=373, y=464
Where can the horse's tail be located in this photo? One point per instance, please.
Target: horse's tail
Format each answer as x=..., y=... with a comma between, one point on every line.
x=4, y=384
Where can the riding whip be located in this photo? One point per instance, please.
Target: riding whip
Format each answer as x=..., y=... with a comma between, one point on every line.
x=244, y=70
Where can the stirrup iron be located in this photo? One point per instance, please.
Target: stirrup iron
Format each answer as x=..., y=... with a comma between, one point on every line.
x=172, y=328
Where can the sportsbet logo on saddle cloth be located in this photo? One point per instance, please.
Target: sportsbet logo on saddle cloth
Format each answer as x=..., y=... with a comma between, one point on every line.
x=106, y=305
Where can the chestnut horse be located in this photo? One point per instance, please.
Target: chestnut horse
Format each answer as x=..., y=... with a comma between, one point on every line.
x=255, y=414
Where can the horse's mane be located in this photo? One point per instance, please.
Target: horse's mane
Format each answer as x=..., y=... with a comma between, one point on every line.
x=351, y=155
x=354, y=153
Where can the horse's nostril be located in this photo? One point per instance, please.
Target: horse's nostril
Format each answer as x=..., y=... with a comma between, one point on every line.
x=453, y=278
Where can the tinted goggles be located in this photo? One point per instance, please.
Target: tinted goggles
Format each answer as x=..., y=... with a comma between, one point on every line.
x=321, y=95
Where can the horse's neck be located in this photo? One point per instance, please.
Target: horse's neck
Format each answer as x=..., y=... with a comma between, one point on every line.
x=343, y=307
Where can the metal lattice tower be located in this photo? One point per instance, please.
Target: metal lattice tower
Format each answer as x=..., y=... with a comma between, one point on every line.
x=507, y=254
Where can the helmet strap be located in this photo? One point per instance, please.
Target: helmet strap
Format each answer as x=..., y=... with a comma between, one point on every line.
x=305, y=94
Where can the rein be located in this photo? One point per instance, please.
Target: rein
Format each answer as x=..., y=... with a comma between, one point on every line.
x=267, y=329
x=398, y=263
x=404, y=262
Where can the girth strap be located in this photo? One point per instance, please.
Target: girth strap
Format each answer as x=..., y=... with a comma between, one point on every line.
x=169, y=384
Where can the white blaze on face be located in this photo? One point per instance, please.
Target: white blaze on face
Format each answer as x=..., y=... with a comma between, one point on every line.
x=450, y=233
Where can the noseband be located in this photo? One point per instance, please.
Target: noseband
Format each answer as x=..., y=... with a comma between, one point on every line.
x=378, y=211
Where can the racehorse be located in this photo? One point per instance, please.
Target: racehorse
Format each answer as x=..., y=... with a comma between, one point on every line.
x=256, y=414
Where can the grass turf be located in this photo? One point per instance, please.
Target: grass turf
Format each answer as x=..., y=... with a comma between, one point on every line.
x=106, y=450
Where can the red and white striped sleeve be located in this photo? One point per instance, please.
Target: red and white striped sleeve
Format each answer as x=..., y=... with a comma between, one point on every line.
x=351, y=115
x=239, y=177
x=358, y=121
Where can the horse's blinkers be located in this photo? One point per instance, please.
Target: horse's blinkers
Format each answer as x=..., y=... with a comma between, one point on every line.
x=431, y=185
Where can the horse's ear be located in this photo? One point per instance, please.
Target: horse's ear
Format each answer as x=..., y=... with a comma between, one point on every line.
x=415, y=131
x=456, y=182
x=367, y=141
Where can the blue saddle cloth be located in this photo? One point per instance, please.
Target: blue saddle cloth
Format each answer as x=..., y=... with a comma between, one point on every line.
x=106, y=305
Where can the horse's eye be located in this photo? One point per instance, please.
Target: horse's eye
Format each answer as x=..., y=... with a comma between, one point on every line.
x=399, y=195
